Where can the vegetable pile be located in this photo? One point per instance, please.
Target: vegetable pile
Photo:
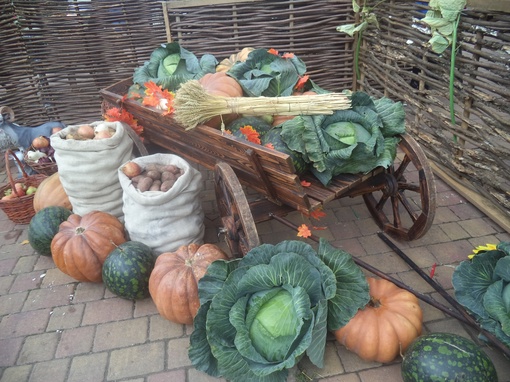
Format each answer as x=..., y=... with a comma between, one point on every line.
x=153, y=177
x=261, y=314
x=482, y=286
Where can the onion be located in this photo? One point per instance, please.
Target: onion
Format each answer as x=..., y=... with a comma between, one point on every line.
x=131, y=169
x=103, y=134
x=40, y=142
x=85, y=131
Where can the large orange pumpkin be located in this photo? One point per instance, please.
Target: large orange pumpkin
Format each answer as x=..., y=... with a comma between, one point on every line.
x=51, y=193
x=220, y=84
x=386, y=326
x=82, y=244
x=173, y=284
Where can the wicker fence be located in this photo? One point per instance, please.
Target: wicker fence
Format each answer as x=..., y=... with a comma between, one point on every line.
x=57, y=54
x=473, y=153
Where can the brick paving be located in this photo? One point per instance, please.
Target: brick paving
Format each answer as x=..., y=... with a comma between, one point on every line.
x=54, y=329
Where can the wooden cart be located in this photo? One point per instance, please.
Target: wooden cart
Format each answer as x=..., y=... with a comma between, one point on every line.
x=401, y=198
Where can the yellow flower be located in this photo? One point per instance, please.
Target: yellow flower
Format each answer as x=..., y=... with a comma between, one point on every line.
x=482, y=248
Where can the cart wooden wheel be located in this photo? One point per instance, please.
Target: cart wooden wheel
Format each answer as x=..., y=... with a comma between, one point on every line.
x=236, y=217
x=404, y=204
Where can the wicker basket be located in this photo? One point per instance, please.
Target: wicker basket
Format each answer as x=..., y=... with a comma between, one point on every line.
x=19, y=210
x=40, y=168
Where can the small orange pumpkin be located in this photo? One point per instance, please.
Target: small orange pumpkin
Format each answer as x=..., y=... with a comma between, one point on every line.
x=228, y=62
x=173, y=284
x=82, y=244
x=386, y=326
x=51, y=193
x=220, y=84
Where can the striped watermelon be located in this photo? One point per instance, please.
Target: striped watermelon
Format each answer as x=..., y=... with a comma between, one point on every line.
x=44, y=226
x=127, y=269
x=446, y=357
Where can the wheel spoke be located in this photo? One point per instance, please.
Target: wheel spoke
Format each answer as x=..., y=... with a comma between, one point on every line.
x=398, y=213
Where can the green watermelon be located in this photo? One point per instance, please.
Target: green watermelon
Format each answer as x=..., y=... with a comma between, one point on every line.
x=44, y=226
x=446, y=357
x=273, y=137
x=127, y=269
x=258, y=124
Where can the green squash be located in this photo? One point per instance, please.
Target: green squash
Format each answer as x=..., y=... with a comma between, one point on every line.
x=44, y=226
x=446, y=357
x=127, y=269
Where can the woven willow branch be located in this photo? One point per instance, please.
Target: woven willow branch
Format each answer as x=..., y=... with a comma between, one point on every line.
x=193, y=105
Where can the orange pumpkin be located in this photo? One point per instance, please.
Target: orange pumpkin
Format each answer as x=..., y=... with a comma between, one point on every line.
x=227, y=63
x=51, y=193
x=386, y=326
x=220, y=84
x=173, y=283
x=82, y=244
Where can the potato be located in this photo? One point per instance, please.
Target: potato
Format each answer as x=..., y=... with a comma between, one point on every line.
x=136, y=179
x=154, y=174
x=145, y=184
x=167, y=185
x=156, y=184
x=167, y=175
x=152, y=167
x=171, y=168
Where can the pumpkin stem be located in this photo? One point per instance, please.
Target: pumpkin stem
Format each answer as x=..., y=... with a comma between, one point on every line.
x=374, y=302
x=79, y=230
x=188, y=262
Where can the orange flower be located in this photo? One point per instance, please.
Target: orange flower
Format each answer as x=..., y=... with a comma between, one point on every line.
x=159, y=98
x=301, y=82
x=288, y=55
x=304, y=183
x=273, y=51
x=114, y=114
x=269, y=145
x=251, y=134
x=304, y=231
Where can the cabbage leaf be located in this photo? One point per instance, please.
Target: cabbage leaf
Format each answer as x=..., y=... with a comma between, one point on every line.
x=267, y=74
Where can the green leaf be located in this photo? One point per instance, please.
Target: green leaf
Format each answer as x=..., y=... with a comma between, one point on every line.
x=495, y=305
x=472, y=278
x=351, y=285
x=439, y=43
x=352, y=29
x=267, y=74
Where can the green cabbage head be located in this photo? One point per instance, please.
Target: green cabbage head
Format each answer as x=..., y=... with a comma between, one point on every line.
x=482, y=286
x=170, y=65
x=261, y=314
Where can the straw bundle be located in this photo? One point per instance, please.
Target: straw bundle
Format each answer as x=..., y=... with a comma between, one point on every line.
x=193, y=105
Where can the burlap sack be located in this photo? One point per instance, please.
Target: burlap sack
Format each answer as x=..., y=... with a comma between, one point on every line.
x=165, y=220
x=88, y=168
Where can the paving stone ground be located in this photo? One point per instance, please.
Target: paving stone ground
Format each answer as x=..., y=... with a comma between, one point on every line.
x=54, y=329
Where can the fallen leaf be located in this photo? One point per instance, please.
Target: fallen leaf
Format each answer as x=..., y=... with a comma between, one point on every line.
x=25, y=242
x=317, y=214
x=304, y=231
